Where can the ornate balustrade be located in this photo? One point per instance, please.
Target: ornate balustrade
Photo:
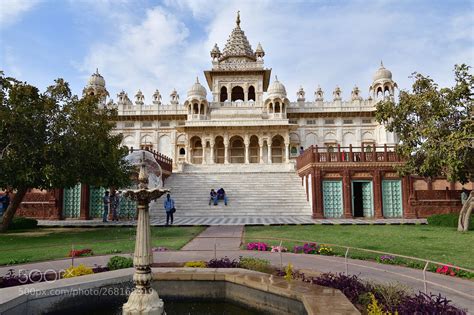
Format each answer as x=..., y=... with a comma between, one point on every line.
x=315, y=154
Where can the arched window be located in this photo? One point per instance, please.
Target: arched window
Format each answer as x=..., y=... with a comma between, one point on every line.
x=202, y=109
x=182, y=151
x=251, y=96
x=196, y=108
x=277, y=107
x=237, y=93
x=223, y=97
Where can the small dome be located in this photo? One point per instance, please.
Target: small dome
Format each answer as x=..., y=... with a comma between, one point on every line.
x=96, y=79
x=197, y=90
x=382, y=73
x=276, y=89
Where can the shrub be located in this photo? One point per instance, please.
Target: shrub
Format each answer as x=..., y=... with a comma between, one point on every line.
x=448, y=220
x=256, y=264
x=260, y=246
x=80, y=252
x=373, y=308
x=195, y=264
x=119, y=262
x=386, y=259
x=307, y=248
x=279, y=249
x=325, y=250
x=20, y=223
x=422, y=303
x=80, y=270
x=389, y=295
x=351, y=286
x=288, y=272
x=223, y=263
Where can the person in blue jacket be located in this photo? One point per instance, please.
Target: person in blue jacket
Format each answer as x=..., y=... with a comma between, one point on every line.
x=169, y=208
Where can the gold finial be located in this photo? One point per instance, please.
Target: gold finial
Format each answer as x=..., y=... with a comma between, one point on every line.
x=238, y=18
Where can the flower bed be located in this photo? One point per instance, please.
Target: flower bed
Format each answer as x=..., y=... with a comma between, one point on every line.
x=383, y=299
x=80, y=252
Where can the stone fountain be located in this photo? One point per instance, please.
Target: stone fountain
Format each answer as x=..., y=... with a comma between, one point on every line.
x=144, y=299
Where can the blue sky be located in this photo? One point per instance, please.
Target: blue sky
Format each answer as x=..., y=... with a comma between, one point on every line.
x=148, y=45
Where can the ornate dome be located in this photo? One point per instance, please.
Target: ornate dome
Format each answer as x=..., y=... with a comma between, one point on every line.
x=276, y=89
x=238, y=45
x=96, y=79
x=382, y=73
x=197, y=90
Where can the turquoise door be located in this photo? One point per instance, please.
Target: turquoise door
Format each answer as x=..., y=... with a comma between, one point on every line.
x=392, y=198
x=362, y=196
x=96, y=203
x=72, y=202
x=332, y=199
x=127, y=208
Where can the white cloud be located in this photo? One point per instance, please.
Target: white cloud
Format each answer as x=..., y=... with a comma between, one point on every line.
x=330, y=44
x=11, y=10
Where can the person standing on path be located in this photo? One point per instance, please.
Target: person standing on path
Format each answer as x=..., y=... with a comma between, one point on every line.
x=114, y=203
x=169, y=208
x=106, y=200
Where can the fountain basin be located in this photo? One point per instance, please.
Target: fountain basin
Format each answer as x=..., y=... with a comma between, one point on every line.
x=256, y=291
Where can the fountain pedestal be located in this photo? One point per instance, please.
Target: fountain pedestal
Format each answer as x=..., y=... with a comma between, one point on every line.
x=144, y=299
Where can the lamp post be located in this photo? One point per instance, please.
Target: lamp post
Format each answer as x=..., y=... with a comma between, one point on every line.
x=144, y=299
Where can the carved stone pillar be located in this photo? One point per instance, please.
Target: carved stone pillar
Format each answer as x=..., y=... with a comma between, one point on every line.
x=226, y=150
x=317, y=194
x=269, y=146
x=247, y=144
x=260, y=150
x=204, y=146
x=378, y=195
x=287, y=152
x=212, y=152
x=346, y=191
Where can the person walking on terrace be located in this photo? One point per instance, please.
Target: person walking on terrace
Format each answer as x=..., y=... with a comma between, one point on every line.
x=114, y=204
x=213, y=197
x=221, y=195
x=169, y=208
x=106, y=200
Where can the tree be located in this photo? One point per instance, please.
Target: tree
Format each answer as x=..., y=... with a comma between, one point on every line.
x=435, y=126
x=55, y=139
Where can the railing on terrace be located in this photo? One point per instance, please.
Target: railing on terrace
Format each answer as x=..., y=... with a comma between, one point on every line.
x=367, y=153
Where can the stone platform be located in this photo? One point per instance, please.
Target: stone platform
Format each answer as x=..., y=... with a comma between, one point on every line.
x=234, y=220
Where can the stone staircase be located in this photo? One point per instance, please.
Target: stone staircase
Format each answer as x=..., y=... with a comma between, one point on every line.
x=272, y=193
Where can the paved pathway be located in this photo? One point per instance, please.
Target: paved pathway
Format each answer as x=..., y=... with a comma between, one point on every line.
x=217, y=237
x=235, y=220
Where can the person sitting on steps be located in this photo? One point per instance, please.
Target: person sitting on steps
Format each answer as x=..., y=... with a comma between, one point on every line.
x=221, y=195
x=213, y=197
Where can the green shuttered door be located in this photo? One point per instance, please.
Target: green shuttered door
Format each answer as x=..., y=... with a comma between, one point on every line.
x=332, y=199
x=72, y=202
x=392, y=198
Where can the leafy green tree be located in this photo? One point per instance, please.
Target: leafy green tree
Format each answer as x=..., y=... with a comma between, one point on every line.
x=55, y=139
x=435, y=126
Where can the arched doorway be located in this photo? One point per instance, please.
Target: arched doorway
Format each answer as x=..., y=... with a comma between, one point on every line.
x=223, y=96
x=219, y=150
x=251, y=95
x=277, y=149
x=196, y=150
x=254, y=150
x=237, y=150
x=237, y=93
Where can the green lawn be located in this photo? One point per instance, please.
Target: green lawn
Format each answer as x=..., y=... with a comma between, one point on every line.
x=441, y=244
x=50, y=243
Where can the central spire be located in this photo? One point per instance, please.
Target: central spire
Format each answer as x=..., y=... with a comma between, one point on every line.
x=238, y=19
x=237, y=45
